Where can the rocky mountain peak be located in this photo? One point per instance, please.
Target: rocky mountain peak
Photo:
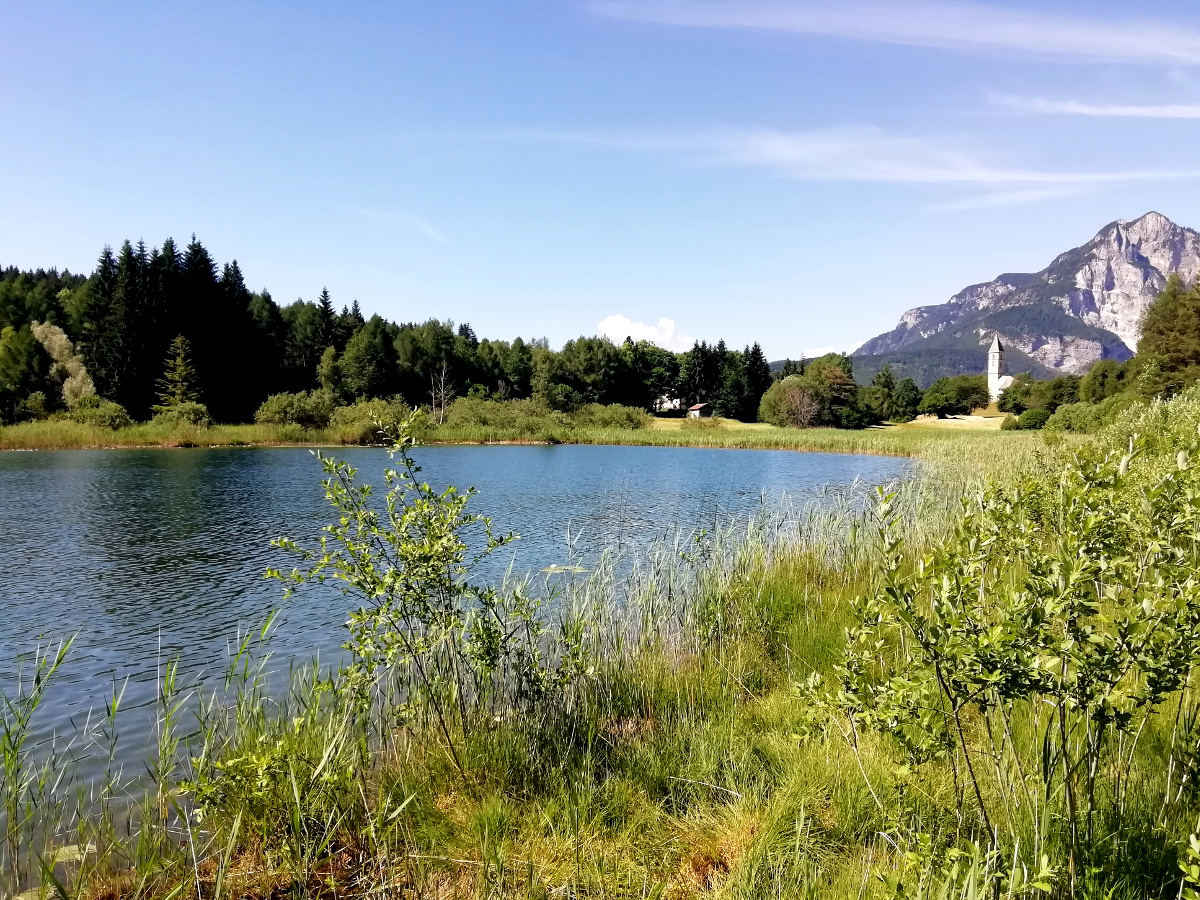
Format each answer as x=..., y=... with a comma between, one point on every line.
x=1086, y=305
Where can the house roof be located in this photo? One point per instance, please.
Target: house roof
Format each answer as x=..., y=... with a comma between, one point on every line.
x=997, y=347
x=697, y=406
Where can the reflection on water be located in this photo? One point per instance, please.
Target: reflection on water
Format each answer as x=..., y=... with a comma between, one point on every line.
x=155, y=554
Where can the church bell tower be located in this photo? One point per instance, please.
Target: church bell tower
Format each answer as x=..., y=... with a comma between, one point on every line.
x=995, y=369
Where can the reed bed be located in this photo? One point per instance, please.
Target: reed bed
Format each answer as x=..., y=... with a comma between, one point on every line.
x=67, y=435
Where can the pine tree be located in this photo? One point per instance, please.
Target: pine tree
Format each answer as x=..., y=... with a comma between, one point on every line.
x=176, y=387
x=881, y=395
x=325, y=309
x=102, y=334
x=126, y=330
x=758, y=378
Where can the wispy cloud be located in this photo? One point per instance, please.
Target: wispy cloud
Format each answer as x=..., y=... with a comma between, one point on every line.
x=861, y=154
x=1004, y=198
x=867, y=155
x=874, y=155
x=1043, y=106
x=416, y=223
x=929, y=23
x=617, y=328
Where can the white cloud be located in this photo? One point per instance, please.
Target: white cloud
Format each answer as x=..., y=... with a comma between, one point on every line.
x=1117, y=111
x=1004, y=198
x=617, y=328
x=859, y=153
x=929, y=23
x=873, y=155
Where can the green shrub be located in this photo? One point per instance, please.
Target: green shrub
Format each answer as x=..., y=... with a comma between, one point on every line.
x=521, y=416
x=361, y=423
x=34, y=406
x=533, y=417
x=1033, y=419
x=1072, y=593
x=697, y=424
x=187, y=413
x=100, y=413
x=1009, y=423
x=596, y=415
x=1077, y=418
x=309, y=409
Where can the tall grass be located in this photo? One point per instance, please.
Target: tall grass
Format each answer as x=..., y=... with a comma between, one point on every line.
x=68, y=435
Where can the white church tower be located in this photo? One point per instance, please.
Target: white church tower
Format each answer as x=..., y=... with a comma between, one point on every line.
x=997, y=380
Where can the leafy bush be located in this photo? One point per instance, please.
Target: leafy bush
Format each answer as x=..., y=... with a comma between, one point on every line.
x=309, y=409
x=1009, y=423
x=695, y=423
x=596, y=415
x=1033, y=419
x=34, y=406
x=187, y=413
x=409, y=568
x=1077, y=418
x=361, y=422
x=92, y=410
x=533, y=417
x=520, y=416
x=1068, y=604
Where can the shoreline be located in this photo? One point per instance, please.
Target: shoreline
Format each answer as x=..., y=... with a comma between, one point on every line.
x=940, y=441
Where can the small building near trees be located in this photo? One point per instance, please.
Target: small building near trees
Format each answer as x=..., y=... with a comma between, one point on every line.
x=700, y=411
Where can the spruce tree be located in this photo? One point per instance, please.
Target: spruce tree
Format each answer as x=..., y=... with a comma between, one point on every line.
x=177, y=386
x=325, y=311
x=101, y=345
x=758, y=378
x=127, y=327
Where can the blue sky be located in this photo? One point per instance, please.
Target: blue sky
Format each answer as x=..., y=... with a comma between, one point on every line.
x=797, y=173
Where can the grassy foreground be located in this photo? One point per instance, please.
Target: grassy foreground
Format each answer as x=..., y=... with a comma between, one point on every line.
x=692, y=722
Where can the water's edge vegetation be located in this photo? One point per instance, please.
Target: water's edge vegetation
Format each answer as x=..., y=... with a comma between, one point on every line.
x=959, y=692
x=715, y=433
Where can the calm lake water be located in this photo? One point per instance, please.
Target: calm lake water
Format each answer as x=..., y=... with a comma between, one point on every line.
x=152, y=554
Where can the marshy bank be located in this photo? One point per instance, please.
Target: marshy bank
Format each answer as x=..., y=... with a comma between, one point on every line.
x=957, y=446
x=700, y=724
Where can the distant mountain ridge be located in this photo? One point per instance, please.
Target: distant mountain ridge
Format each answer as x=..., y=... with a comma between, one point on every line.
x=1086, y=305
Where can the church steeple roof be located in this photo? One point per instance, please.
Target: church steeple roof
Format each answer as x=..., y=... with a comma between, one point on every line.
x=996, y=347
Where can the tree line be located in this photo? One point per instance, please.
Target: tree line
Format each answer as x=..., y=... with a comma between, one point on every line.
x=119, y=323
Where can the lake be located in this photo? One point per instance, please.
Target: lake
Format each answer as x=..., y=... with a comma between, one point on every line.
x=153, y=554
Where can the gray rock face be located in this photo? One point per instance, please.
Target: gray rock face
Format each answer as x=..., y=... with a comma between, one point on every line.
x=1086, y=305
